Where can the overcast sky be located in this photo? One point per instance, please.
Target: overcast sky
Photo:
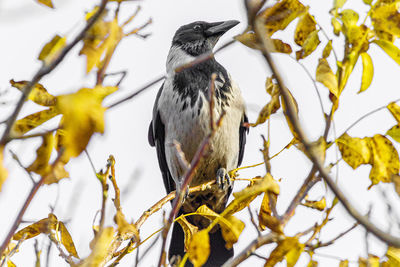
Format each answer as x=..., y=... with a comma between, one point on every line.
x=25, y=26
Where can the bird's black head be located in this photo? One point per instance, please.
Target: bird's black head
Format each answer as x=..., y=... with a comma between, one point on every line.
x=200, y=37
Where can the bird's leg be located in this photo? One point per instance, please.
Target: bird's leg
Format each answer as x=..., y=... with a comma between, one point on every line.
x=223, y=179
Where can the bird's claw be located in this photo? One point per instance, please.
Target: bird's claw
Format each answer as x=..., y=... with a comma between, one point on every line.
x=223, y=180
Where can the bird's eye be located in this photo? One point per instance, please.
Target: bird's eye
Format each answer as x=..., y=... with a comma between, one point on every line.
x=197, y=28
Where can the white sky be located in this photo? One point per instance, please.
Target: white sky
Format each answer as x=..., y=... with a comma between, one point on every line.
x=25, y=26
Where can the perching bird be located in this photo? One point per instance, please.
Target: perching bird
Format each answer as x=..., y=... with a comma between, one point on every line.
x=181, y=114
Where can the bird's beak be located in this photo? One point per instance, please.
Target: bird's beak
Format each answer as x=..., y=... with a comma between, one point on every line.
x=219, y=28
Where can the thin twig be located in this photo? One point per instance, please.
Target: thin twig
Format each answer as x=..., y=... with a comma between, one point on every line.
x=33, y=135
x=368, y=114
x=328, y=243
x=15, y=157
x=46, y=69
x=253, y=221
x=383, y=236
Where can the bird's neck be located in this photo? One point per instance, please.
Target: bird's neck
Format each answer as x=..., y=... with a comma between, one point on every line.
x=177, y=57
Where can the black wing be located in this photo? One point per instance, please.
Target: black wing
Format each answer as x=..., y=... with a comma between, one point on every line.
x=156, y=138
x=242, y=138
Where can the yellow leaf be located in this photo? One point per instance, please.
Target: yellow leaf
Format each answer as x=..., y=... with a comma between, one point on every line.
x=393, y=255
x=52, y=49
x=368, y=2
x=67, y=241
x=11, y=264
x=272, y=106
x=56, y=173
x=385, y=160
x=39, y=94
x=3, y=170
x=100, y=248
x=312, y=263
x=368, y=72
x=310, y=44
x=293, y=104
x=344, y=263
x=319, y=205
x=43, y=153
x=83, y=115
x=395, y=110
x=283, y=248
x=265, y=218
x=188, y=229
x=326, y=76
x=304, y=28
x=101, y=40
x=245, y=196
x=199, y=248
x=347, y=68
x=372, y=261
x=355, y=151
x=279, y=16
x=394, y=132
x=42, y=226
x=231, y=231
x=385, y=17
x=338, y=3
x=280, y=47
x=327, y=50
x=32, y=121
x=294, y=254
x=46, y=3
x=249, y=39
x=390, y=49
x=349, y=18
x=337, y=27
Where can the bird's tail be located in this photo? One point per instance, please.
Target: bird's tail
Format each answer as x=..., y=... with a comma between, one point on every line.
x=219, y=254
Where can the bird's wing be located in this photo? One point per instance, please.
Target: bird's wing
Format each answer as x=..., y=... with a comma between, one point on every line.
x=156, y=138
x=242, y=138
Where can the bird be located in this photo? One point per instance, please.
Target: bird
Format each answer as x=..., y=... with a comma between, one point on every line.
x=181, y=114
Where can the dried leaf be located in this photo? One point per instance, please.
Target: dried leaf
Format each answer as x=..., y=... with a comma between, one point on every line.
x=394, y=132
x=265, y=218
x=377, y=151
x=395, y=110
x=249, y=39
x=280, y=47
x=245, y=196
x=39, y=94
x=368, y=72
x=294, y=254
x=199, y=248
x=3, y=170
x=32, y=121
x=314, y=204
x=372, y=261
x=83, y=115
x=43, y=153
x=188, y=229
x=385, y=160
x=385, y=17
x=327, y=50
x=337, y=27
x=304, y=28
x=390, y=49
x=326, y=76
x=283, y=248
x=312, y=263
x=46, y=3
x=123, y=226
x=355, y=151
x=67, y=241
x=56, y=173
x=42, y=226
x=310, y=44
x=393, y=255
x=100, y=249
x=52, y=49
x=272, y=106
x=344, y=263
x=279, y=16
x=338, y=3
x=231, y=231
